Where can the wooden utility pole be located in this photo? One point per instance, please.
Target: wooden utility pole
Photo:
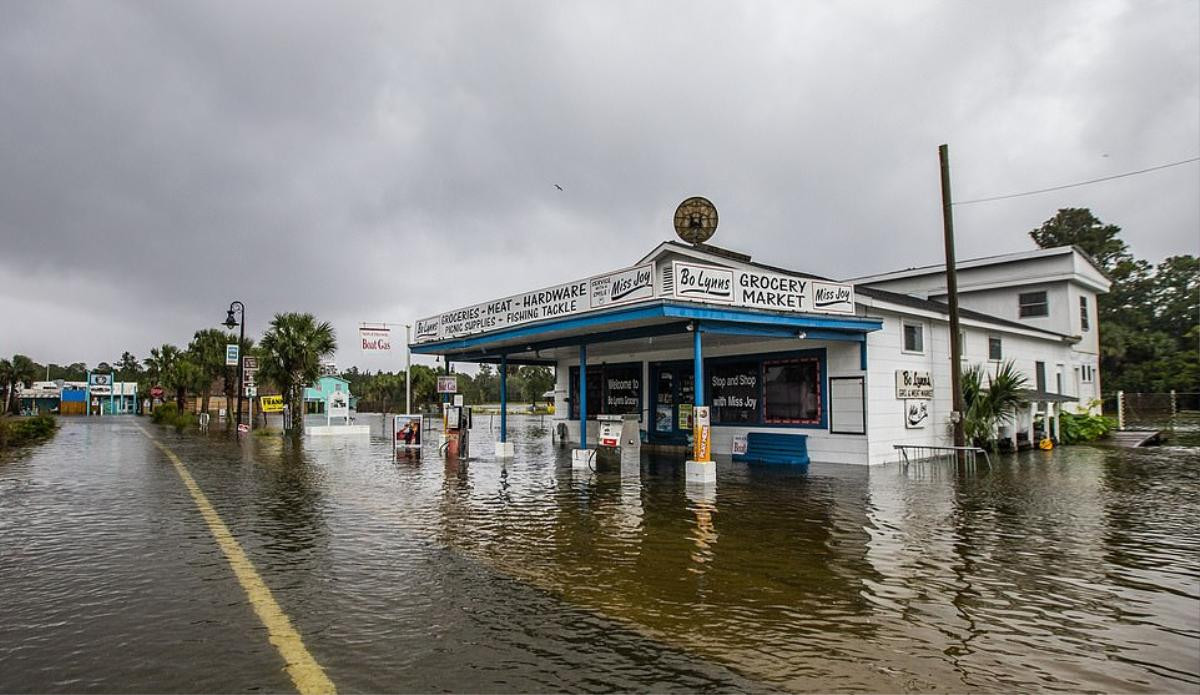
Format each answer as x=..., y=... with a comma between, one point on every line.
x=960, y=438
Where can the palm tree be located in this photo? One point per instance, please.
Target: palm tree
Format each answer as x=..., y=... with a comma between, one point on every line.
x=292, y=350
x=989, y=407
x=160, y=365
x=207, y=351
x=20, y=370
x=185, y=376
x=7, y=379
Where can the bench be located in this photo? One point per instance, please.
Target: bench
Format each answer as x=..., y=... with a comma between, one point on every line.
x=772, y=447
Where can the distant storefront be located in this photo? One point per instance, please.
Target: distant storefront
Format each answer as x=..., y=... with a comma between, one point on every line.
x=317, y=395
x=106, y=396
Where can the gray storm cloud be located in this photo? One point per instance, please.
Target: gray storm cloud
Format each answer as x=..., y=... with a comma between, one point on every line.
x=387, y=161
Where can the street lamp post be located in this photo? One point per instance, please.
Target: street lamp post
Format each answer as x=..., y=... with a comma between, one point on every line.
x=230, y=322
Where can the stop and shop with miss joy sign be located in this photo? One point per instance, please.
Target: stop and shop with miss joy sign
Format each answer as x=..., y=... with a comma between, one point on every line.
x=717, y=355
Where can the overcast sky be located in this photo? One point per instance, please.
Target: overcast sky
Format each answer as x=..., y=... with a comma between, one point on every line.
x=386, y=162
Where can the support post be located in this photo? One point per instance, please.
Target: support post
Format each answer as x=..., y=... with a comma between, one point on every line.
x=407, y=369
x=1120, y=410
x=504, y=449
x=700, y=468
x=1174, y=409
x=1058, y=423
x=582, y=457
x=960, y=437
x=241, y=364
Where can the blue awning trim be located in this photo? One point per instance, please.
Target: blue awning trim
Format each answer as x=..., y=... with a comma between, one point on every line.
x=607, y=321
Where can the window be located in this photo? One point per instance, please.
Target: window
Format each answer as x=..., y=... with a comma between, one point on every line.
x=914, y=338
x=1087, y=373
x=994, y=349
x=733, y=392
x=595, y=402
x=847, y=405
x=1083, y=315
x=1033, y=304
x=623, y=390
x=1040, y=375
x=611, y=390
x=792, y=391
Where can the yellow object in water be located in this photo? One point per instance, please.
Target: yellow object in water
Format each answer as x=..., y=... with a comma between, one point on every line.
x=1046, y=444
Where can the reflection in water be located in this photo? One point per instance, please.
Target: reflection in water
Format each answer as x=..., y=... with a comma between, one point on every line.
x=1077, y=569
x=703, y=500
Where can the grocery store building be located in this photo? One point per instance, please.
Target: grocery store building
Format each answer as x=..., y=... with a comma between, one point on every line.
x=854, y=367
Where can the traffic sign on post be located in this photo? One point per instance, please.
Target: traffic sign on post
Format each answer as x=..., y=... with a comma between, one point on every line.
x=231, y=355
x=447, y=384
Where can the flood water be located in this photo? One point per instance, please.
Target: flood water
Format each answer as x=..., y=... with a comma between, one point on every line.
x=1071, y=570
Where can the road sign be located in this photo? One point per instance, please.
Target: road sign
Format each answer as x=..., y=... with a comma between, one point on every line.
x=243, y=428
x=156, y=391
x=447, y=384
x=249, y=363
x=251, y=391
x=231, y=355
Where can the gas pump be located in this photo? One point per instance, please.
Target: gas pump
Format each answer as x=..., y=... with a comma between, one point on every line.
x=458, y=430
x=620, y=434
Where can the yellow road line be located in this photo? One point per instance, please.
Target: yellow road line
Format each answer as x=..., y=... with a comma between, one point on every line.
x=306, y=673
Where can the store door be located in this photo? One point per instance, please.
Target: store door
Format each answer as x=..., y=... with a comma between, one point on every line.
x=673, y=396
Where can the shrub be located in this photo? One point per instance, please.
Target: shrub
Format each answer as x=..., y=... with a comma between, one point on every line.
x=165, y=413
x=16, y=432
x=184, y=421
x=168, y=414
x=1084, y=427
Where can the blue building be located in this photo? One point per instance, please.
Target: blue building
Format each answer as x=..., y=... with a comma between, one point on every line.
x=315, y=396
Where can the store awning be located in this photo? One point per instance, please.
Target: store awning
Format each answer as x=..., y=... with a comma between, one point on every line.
x=662, y=323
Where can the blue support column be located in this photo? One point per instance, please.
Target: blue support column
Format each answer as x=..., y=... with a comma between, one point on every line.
x=700, y=467
x=582, y=396
x=504, y=398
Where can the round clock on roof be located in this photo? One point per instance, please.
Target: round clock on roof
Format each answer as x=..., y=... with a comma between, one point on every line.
x=696, y=220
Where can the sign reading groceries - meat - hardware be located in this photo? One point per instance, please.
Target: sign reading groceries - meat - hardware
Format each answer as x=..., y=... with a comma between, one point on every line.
x=599, y=292
x=688, y=281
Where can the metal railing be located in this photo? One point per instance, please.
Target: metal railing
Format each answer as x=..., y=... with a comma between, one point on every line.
x=923, y=453
x=1155, y=411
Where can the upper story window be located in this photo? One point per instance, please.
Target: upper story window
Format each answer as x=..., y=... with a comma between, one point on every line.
x=914, y=337
x=1083, y=314
x=1033, y=304
x=995, y=351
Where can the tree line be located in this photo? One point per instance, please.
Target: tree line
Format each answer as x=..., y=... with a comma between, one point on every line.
x=290, y=354
x=385, y=391
x=1150, y=318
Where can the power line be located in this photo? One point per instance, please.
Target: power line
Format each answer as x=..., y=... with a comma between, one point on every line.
x=1081, y=183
